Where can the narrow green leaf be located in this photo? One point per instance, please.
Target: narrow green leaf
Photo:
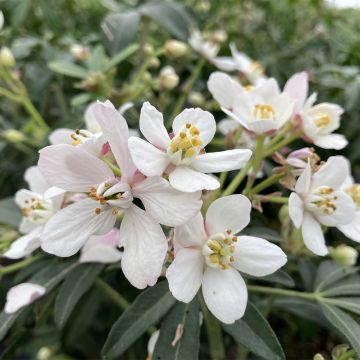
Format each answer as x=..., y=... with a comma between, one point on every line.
x=348, y=303
x=76, y=284
x=145, y=311
x=81, y=99
x=350, y=286
x=254, y=332
x=98, y=59
x=9, y=212
x=344, y=323
x=278, y=277
x=263, y=232
x=121, y=56
x=185, y=316
x=307, y=270
x=68, y=69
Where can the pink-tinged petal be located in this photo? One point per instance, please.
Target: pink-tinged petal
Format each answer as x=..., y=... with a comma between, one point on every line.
x=257, y=257
x=100, y=253
x=313, y=236
x=331, y=141
x=152, y=126
x=262, y=127
x=303, y=183
x=148, y=159
x=203, y=120
x=116, y=131
x=297, y=88
x=224, y=89
x=296, y=209
x=145, y=248
x=72, y=169
x=221, y=161
x=22, y=295
x=53, y=192
x=191, y=234
x=225, y=294
x=90, y=119
x=24, y=245
x=229, y=212
x=333, y=173
x=35, y=179
x=352, y=230
x=188, y=180
x=165, y=204
x=61, y=136
x=69, y=229
x=185, y=274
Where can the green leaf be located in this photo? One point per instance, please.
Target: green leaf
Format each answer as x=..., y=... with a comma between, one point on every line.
x=97, y=60
x=350, y=286
x=187, y=347
x=120, y=30
x=307, y=270
x=262, y=232
x=254, y=332
x=20, y=12
x=145, y=311
x=348, y=303
x=68, y=69
x=76, y=284
x=171, y=15
x=121, y=56
x=9, y=212
x=81, y=99
x=344, y=323
x=279, y=277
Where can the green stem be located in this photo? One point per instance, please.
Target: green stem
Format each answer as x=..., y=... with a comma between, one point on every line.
x=236, y=181
x=284, y=292
x=19, y=265
x=10, y=95
x=30, y=108
x=213, y=329
x=348, y=355
x=266, y=183
x=280, y=134
x=112, y=294
x=115, y=169
x=274, y=199
x=270, y=150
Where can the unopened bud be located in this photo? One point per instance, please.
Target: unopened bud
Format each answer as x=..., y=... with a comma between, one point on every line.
x=147, y=77
x=175, y=49
x=344, y=255
x=203, y=6
x=219, y=36
x=79, y=52
x=6, y=57
x=339, y=351
x=168, y=78
x=196, y=98
x=14, y=136
x=318, y=356
x=92, y=81
x=284, y=213
x=44, y=353
x=148, y=49
x=154, y=63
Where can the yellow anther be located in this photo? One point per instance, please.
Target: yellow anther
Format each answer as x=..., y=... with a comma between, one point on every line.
x=248, y=87
x=214, y=258
x=323, y=120
x=231, y=259
x=97, y=211
x=194, y=131
x=354, y=192
x=257, y=67
x=184, y=144
x=228, y=231
x=196, y=142
x=226, y=241
x=182, y=135
x=222, y=252
x=188, y=125
x=174, y=145
x=215, y=246
x=232, y=249
x=223, y=266
x=326, y=191
x=190, y=153
x=75, y=142
x=114, y=211
x=264, y=111
x=234, y=239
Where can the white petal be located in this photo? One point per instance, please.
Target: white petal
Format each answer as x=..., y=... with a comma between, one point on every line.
x=72, y=169
x=165, y=204
x=145, y=248
x=188, y=180
x=24, y=196
x=69, y=229
x=296, y=209
x=267, y=90
x=152, y=126
x=262, y=126
x=116, y=131
x=203, y=120
x=100, y=254
x=24, y=245
x=227, y=126
x=331, y=141
x=352, y=230
x=225, y=294
x=257, y=257
x=22, y=295
x=229, y=212
x=148, y=159
x=225, y=63
x=191, y=234
x=313, y=235
x=35, y=179
x=185, y=274
x=297, y=88
x=125, y=107
x=61, y=136
x=302, y=185
x=90, y=119
x=221, y=161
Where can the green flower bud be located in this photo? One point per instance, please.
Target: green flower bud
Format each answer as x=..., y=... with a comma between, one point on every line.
x=6, y=57
x=175, y=49
x=14, y=136
x=344, y=255
x=196, y=98
x=168, y=78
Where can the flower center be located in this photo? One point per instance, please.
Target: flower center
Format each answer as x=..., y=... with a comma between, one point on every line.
x=324, y=199
x=187, y=141
x=37, y=211
x=79, y=136
x=322, y=120
x=354, y=192
x=257, y=68
x=263, y=112
x=219, y=250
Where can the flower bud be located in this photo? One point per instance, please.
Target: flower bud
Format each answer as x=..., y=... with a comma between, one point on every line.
x=168, y=78
x=284, y=213
x=148, y=49
x=175, y=49
x=154, y=63
x=219, y=36
x=6, y=57
x=340, y=350
x=196, y=98
x=203, y=6
x=44, y=353
x=318, y=356
x=14, y=136
x=93, y=81
x=344, y=255
x=79, y=52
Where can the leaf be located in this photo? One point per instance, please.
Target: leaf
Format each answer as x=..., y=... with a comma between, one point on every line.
x=262, y=232
x=307, y=270
x=145, y=311
x=68, y=69
x=344, y=323
x=97, y=60
x=348, y=303
x=350, y=286
x=171, y=15
x=279, y=277
x=254, y=332
x=48, y=277
x=9, y=212
x=121, y=56
x=81, y=99
x=20, y=12
x=187, y=347
x=120, y=30
x=76, y=284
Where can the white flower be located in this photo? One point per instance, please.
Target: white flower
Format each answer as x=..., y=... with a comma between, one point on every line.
x=182, y=156
x=260, y=109
x=37, y=209
x=318, y=121
x=318, y=199
x=109, y=196
x=239, y=61
x=209, y=255
x=2, y=20
x=208, y=49
x=22, y=295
